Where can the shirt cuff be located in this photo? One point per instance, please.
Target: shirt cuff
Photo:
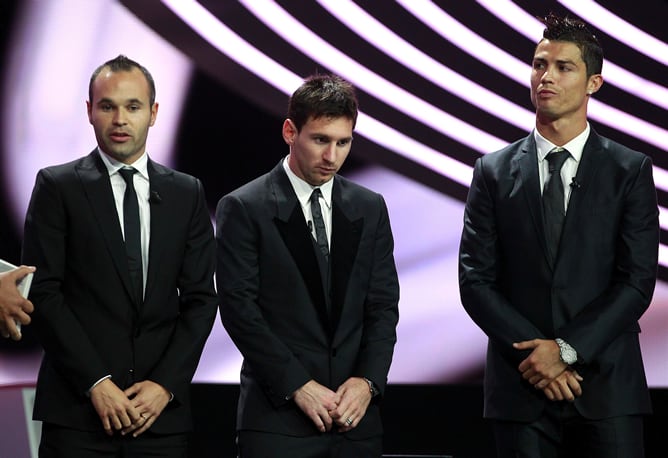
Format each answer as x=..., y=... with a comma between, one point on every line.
x=96, y=384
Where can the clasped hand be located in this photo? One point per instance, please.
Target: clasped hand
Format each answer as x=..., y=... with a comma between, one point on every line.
x=344, y=407
x=544, y=370
x=131, y=411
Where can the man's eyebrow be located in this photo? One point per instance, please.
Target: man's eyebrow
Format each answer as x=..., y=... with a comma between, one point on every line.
x=129, y=101
x=559, y=61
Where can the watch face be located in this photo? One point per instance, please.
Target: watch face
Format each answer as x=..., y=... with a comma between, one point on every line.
x=569, y=357
x=567, y=354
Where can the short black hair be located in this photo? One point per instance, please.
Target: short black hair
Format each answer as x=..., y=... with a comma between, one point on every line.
x=122, y=63
x=323, y=95
x=574, y=30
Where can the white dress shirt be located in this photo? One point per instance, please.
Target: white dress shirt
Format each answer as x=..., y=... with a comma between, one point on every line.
x=304, y=191
x=570, y=167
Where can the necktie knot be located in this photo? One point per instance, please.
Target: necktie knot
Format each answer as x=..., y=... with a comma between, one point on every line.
x=556, y=159
x=127, y=174
x=315, y=195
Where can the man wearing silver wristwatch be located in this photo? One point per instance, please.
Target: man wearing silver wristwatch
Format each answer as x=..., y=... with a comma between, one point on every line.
x=558, y=262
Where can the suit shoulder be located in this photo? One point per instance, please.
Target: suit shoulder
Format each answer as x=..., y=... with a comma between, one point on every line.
x=499, y=159
x=69, y=166
x=179, y=178
x=252, y=187
x=508, y=151
x=616, y=149
x=251, y=193
x=64, y=171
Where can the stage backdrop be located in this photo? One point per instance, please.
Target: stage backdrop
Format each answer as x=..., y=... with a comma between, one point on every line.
x=441, y=83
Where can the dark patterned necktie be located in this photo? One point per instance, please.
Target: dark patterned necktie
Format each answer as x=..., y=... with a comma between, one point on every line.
x=319, y=223
x=132, y=232
x=553, y=200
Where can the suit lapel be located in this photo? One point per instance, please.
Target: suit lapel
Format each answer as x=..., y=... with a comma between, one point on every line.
x=161, y=184
x=95, y=181
x=291, y=225
x=580, y=198
x=347, y=224
x=529, y=180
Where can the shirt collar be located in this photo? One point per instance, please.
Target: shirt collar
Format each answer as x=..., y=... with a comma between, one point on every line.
x=304, y=190
x=575, y=146
x=113, y=166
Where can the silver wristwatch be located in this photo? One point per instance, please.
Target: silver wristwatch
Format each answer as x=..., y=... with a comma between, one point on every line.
x=567, y=354
x=372, y=388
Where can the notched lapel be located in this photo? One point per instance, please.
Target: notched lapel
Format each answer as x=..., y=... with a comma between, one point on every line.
x=95, y=181
x=581, y=198
x=529, y=179
x=161, y=193
x=528, y=163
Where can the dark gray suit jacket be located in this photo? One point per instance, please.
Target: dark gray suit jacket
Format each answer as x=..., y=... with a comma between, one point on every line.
x=85, y=316
x=273, y=302
x=600, y=284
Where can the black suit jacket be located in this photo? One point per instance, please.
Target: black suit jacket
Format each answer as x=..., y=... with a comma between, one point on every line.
x=86, y=318
x=592, y=297
x=274, y=306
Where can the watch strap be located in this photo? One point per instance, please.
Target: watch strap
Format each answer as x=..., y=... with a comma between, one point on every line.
x=372, y=388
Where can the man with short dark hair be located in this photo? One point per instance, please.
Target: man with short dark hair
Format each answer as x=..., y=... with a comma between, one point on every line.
x=309, y=291
x=558, y=262
x=123, y=292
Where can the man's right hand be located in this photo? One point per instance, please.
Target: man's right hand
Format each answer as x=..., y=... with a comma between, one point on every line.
x=14, y=308
x=316, y=401
x=113, y=407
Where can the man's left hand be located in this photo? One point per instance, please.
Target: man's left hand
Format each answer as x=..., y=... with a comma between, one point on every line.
x=543, y=364
x=355, y=399
x=150, y=399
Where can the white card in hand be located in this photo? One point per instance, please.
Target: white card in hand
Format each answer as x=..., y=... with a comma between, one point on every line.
x=23, y=286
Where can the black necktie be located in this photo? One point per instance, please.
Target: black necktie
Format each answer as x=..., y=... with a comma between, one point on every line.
x=553, y=200
x=132, y=232
x=320, y=232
